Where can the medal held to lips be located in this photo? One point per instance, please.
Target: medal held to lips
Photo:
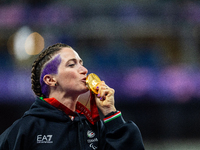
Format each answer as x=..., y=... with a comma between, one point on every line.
x=92, y=81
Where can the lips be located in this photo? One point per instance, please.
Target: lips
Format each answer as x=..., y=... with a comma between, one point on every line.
x=84, y=79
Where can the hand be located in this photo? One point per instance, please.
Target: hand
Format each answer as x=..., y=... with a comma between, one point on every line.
x=105, y=98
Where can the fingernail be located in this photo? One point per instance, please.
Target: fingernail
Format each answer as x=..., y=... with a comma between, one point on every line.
x=97, y=87
x=100, y=98
x=98, y=95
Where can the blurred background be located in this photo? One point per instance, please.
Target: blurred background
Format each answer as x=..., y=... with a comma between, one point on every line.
x=147, y=50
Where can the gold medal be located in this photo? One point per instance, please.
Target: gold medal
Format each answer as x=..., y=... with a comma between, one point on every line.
x=92, y=81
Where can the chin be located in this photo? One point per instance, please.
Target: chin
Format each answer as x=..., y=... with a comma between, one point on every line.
x=84, y=90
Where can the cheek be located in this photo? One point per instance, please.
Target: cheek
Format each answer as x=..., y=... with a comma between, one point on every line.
x=67, y=78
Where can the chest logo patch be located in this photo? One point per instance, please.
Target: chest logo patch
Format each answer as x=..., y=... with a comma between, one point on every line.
x=44, y=138
x=90, y=134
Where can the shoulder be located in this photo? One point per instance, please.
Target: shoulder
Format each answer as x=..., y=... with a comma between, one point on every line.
x=16, y=135
x=17, y=125
x=20, y=133
x=23, y=126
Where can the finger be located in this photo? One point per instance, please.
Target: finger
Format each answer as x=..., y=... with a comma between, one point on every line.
x=102, y=87
x=110, y=92
x=101, y=84
x=103, y=90
x=104, y=94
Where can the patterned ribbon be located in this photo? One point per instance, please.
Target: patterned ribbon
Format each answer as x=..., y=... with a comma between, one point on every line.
x=92, y=116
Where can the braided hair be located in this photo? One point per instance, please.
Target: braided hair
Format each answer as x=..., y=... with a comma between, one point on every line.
x=39, y=63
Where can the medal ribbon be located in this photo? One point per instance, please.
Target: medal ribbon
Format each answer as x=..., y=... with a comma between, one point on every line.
x=92, y=116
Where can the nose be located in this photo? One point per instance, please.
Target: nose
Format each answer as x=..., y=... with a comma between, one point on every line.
x=83, y=70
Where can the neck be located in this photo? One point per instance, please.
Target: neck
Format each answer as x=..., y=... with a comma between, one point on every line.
x=68, y=101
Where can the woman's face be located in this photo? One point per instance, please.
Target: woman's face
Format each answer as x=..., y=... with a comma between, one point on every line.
x=71, y=76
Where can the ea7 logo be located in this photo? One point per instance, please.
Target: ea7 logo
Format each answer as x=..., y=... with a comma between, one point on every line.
x=44, y=139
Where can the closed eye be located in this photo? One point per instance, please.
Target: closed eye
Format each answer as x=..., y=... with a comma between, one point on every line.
x=73, y=62
x=71, y=65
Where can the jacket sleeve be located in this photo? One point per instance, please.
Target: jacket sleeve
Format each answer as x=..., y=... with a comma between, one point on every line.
x=119, y=135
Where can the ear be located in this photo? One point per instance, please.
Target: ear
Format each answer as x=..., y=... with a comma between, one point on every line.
x=49, y=80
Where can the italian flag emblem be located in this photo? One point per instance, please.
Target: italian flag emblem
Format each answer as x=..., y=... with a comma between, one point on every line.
x=112, y=117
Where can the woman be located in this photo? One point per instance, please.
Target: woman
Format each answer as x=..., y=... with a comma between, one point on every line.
x=56, y=120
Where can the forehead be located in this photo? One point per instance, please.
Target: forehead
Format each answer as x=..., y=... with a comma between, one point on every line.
x=68, y=53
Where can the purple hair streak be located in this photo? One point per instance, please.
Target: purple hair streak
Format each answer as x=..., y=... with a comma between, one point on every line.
x=50, y=68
